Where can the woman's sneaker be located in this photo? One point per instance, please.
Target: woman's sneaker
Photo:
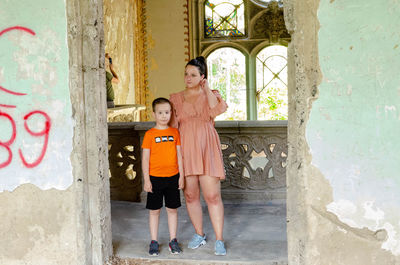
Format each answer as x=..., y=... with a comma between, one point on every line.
x=153, y=248
x=197, y=241
x=174, y=247
x=220, y=248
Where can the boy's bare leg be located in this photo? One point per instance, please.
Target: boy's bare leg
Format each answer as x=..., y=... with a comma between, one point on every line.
x=154, y=217
x=211, y=188
x=172, y=222
x=193, y=205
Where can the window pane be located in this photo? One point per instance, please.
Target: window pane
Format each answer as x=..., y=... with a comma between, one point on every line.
x=224, y=18
x=227, y=74
x=272, y=97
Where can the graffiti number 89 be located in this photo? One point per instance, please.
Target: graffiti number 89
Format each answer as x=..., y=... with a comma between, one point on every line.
x=44, y=132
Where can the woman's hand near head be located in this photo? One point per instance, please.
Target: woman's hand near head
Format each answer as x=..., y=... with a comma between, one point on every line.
x=204, y=84
x=212, y=99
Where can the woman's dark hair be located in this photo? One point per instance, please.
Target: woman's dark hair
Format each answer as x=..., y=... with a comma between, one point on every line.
x=201, y=64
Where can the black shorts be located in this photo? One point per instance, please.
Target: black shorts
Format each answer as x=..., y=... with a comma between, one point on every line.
x=164, y=187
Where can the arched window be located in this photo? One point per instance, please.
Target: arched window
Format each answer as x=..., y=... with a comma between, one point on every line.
x=272, y=97
x=252, y=76
x=224, y=18
x=227, y=74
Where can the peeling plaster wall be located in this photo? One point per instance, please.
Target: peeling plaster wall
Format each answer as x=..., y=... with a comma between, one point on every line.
x=355, y=123
x=34, y=82
x=54, y=216
x=119, y=18
x=37, y=226
x=165, y=20
x=343, y=170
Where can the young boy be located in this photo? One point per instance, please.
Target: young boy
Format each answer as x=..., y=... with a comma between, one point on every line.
x=163, y=174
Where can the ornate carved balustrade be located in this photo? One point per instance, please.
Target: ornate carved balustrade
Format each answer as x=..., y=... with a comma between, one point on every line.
x=254, y=155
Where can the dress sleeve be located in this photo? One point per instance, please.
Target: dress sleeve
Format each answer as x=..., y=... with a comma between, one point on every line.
x=174, y=119
x=220, y=107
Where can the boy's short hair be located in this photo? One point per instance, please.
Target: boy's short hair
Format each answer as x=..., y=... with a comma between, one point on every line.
x=159, y=101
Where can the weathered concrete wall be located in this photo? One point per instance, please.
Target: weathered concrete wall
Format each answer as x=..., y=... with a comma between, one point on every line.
x=343, y=180
x=119, y=18
x=58, y=213
x=90, y=153
x=165, y=21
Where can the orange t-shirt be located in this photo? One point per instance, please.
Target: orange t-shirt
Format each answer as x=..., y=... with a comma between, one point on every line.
x=163, y=157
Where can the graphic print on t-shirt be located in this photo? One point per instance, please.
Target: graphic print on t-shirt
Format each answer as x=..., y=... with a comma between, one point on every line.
x=160, y=139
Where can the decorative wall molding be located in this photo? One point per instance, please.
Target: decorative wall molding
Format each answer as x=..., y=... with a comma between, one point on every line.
x=271, y=24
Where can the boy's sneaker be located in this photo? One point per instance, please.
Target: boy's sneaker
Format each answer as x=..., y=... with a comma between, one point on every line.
x=174, y=247
x=197, y=241
x=220, y=248
x=153, y=249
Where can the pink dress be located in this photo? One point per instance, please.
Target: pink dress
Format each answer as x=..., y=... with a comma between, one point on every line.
x=201, y=147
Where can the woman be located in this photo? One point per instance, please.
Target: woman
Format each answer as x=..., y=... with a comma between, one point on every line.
x=194, y=111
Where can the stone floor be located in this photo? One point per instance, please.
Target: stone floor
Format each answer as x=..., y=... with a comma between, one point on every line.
x=254, y=233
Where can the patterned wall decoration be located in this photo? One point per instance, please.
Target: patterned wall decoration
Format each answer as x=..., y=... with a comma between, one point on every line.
x=186, y=26
x=141, y=76
x=271, y=24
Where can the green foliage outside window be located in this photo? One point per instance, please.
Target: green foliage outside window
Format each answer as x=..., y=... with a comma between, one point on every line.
x=227, y=74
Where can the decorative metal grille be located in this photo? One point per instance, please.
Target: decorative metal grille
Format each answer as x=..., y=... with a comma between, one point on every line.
x=224, y=18
x=271, y=67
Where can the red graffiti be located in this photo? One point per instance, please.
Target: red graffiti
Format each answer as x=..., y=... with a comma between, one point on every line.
x=17, y=28
x=7, y=106
x=7, y=144
x=44, y=132
x=12, y=92
x=47, y=124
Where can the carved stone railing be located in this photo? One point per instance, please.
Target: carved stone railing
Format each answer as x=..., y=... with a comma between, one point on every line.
x=125, y=113
x=124, y=159
x=254, y=155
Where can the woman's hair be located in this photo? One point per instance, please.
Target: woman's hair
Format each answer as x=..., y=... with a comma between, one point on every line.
x=201, y=64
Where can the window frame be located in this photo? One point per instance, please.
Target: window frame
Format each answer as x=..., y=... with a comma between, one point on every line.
x=249, y=45
x=201, y=23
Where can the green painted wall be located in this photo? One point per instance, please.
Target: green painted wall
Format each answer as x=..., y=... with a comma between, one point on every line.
x=34, y=61
x=354, y=127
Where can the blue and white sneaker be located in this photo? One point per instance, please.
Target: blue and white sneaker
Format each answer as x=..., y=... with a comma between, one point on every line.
x=220, y=248
x=197, y=241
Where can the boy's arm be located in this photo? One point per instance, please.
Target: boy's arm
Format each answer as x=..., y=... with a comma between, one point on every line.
x=145, y=170
x=180, y=165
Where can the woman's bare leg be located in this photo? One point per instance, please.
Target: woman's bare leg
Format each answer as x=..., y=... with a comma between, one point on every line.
x=193, y=205
x=211, y=188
